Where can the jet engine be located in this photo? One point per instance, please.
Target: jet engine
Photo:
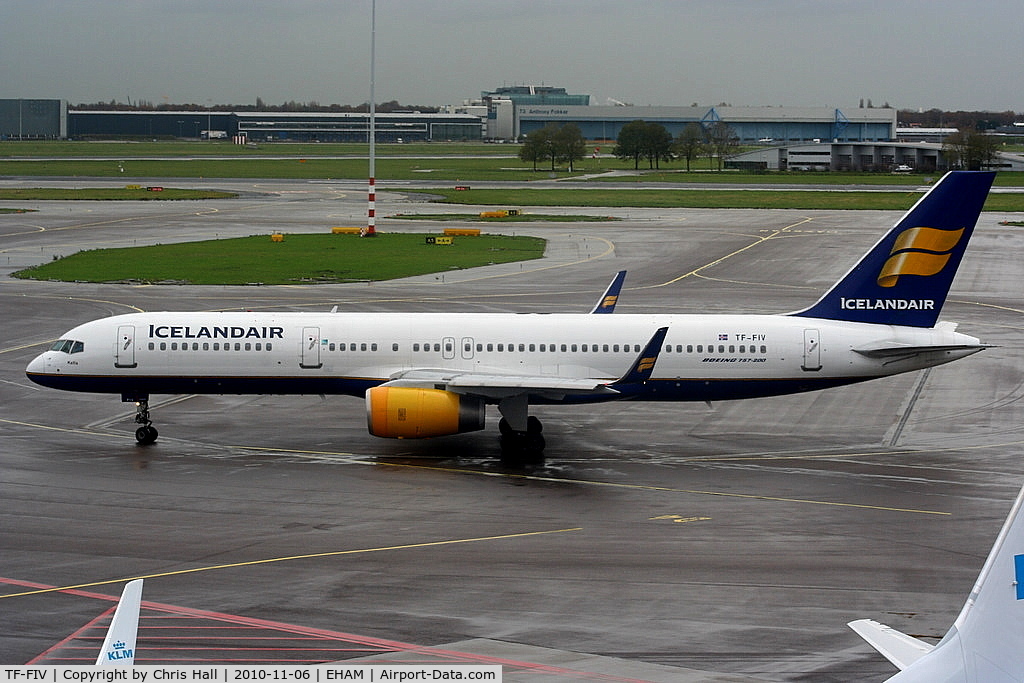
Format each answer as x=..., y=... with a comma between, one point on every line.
x=413, y=413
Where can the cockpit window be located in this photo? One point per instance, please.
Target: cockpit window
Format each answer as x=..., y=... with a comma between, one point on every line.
x=68, y=346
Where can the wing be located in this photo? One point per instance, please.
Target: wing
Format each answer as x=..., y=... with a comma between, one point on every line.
x=496, y=386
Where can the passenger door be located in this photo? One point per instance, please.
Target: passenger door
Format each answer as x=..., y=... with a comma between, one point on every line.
x=124, y=351
x=812, y=351
x=310, y=358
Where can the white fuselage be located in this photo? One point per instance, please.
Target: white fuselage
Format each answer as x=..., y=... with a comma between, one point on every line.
x=704, y=357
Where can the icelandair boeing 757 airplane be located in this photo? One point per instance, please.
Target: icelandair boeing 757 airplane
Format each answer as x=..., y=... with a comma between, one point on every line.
x=428, y=374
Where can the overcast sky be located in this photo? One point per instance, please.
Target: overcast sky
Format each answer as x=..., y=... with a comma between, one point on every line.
x=948, y=54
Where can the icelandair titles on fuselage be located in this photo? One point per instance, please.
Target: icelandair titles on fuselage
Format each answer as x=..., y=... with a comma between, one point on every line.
x=214, y=332
x=886, y=304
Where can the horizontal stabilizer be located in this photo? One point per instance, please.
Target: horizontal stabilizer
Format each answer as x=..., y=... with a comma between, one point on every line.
x=899, y=648
x=893, y=349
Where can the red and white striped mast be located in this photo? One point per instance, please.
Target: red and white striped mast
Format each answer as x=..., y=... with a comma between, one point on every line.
x=371, y=230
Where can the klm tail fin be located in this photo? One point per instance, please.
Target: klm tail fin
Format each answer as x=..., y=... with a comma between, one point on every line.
x=987, y=639
x=906, y=276
x=119, y=645
x=606, y=304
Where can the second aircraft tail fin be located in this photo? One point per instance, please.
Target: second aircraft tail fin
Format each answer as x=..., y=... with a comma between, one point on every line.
x=985, y=642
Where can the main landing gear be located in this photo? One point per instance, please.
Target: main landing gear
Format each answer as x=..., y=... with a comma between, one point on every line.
x=146, y=433
x=522, y=442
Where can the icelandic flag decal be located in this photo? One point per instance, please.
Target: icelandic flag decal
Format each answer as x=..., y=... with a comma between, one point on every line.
x=723, y=337
x=1018, y=575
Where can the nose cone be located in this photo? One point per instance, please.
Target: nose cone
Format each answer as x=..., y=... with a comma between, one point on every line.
x=36, y=367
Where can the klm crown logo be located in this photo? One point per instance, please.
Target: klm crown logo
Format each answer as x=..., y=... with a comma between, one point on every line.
x=119, y=651
x=919, y=251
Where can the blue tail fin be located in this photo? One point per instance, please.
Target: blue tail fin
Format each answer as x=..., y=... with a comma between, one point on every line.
x=906, y=276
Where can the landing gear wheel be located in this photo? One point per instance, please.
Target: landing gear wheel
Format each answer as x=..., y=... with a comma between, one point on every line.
x=146, y=435
x=522, y=448
x=534, y=426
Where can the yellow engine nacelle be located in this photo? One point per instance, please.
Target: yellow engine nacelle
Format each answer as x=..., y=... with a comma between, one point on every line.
x=411, y=413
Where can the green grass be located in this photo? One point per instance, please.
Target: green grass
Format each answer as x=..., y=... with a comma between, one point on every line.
x=108, y=194
x=707, y=199
x=71, y=148
x=521, y=218
x=300, y=258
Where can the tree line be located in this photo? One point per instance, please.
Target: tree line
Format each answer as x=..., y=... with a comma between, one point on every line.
x=637, y=141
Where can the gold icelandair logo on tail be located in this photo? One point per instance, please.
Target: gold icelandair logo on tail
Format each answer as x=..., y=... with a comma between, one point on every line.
x=645, y=364
x=919, y=251
x=609, y=301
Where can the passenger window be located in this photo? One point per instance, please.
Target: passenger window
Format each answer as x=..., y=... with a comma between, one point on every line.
x=174, y=346
x=564, y=349
x=394, y=347
x=269, y=346
x=163, y=346
x=743, y=349
x=490, y=346
x=574, y=348
x=721, y=348
x=195, y=346
x=522, y=347
x=764, y=349
x=152, y=346
x=732, y=349
x=615, y=348
x=248, y=346
x=259, y=346
x=532, y=348
x=330, y=347
x=238, y=346
x=206, y=346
